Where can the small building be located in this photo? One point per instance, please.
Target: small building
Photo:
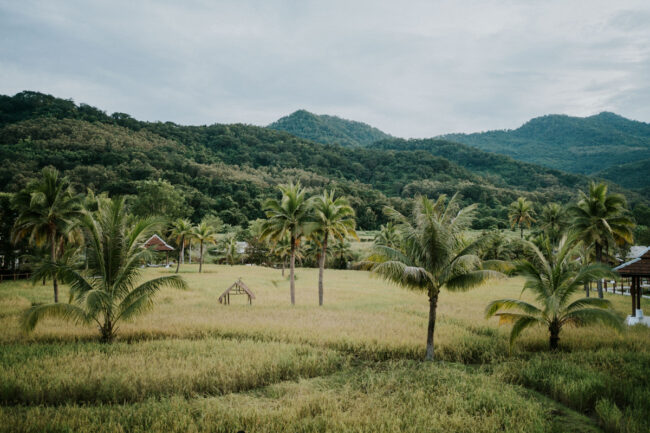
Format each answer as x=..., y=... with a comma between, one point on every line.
x=636, y=270
x=237, y=288
x=156, y=243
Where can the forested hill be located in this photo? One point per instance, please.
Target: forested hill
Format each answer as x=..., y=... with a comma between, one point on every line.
x=328, y=129
x=579, y=145
x=229, y=170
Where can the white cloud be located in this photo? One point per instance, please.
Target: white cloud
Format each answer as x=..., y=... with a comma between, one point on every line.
x=412, y=69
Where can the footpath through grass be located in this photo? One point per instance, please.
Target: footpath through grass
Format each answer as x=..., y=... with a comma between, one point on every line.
x=352, y=365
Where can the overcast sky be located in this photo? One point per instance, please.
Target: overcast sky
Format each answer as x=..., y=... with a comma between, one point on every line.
x=412, y=69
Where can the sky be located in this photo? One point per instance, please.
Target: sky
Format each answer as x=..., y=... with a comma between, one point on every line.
x=410, y=68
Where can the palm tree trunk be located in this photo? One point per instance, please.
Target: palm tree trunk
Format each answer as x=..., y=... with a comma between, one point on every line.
x=284, y=264
x=433, y=304
x=521, y=231
x=599, y=259
x=180, y=255
x=292, y=265
x=321, y=269
x=200, y=256
x=587, y=290
x=55, y=283
x=189, y=256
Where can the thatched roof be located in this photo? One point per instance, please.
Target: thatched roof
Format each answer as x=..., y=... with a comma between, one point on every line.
x=158, y=244
x=638, y=267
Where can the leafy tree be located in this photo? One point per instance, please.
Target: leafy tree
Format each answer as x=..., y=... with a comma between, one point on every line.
x=159, y=197
x=600, y=220
x=288, y=216
x=333, y=217
x=205, y=234
x=107, y=293
x=521, y=213
x=48, y=212
x=433, y=254
x=181, y=229
x=554, y=276
x=553, y=221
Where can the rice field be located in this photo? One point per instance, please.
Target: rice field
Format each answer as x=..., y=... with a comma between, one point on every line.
x=192, y=364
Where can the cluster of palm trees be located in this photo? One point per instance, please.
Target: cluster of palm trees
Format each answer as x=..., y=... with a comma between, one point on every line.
x=430, y=250
x=295, y=216
x=95, y=246
x=185, y=233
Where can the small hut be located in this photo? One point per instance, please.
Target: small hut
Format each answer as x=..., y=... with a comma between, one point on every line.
x=238, y=288
x=636, y=270
x=156, y=243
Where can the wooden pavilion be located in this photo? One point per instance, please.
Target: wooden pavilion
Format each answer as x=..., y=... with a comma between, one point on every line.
x=156, y=243
x=636, y=270
x=237, y=288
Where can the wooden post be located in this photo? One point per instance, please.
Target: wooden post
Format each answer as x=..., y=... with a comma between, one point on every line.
x=633, y=296
x=639, y=292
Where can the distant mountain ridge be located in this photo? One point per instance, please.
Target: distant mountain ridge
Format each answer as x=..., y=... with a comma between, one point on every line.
x=586, y=145
x=328, y=129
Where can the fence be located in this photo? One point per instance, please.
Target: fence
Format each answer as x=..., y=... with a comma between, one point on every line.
x=15, y=276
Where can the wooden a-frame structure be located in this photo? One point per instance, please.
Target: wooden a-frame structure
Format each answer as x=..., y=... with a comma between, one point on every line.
x=237, y=288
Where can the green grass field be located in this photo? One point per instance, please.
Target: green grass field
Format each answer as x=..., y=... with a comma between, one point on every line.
x=351, y=366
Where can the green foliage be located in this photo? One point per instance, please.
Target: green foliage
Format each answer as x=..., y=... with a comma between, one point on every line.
x=108, y=291
x=328, y=129
x=159, y=198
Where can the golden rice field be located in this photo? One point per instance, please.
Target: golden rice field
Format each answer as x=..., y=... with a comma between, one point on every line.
x=192, y=364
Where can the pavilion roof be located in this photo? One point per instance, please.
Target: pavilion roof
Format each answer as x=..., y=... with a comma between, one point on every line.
x=639, y=266
x=158, y=244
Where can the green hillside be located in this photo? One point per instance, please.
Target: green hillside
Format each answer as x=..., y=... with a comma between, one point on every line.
x=579, y=145
x=328, y=129
x=229, y=170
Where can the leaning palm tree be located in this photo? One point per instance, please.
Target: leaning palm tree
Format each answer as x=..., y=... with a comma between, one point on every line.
x=555, y=276
x=48, y=212
x=181, y=229
x=521, y=213
x=333, y=217
x=288, y=216
x=205, y=234
x=600, y=220
x=108, y=292
x=434, y=253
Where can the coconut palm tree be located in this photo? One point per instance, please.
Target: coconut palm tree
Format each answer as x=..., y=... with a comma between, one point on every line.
x=181, y=229
x=205, y=234
x=288, y=216
x=48, y=213
x=555, y=276
x=387, y=235
x=108, y=292
x=600, y=220
x=434, y=253
x=342, y=252
x=521, y=213
x=553, y=221
x=333, y=217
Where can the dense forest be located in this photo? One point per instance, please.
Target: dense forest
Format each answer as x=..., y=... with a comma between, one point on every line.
x=579, y=145
x=228, y=170
x=328, y=129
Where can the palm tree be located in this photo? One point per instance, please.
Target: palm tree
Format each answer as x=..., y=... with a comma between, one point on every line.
x=48, y=212
x=333, y=217
x=288, y=216
x=229, y=253
x=205, y=234
x=553, y=221
x=521, y=213
x=554, y=276
x=107, y=292
x=181, y=229
x=342, y=252
x=434, y=253
x=600, y=220
x=387, y=235
x=282, y=249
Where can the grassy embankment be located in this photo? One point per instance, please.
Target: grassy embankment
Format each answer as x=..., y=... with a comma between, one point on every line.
x=353, y=365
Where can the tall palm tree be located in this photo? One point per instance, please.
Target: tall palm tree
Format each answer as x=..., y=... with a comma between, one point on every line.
x=521, y=213
x=333, y=217
x=434, y=253
x=554, y=276
x=205, y=234
x=600, y=220
x=108, y=292
x=181, y=229
x=48, y=212
x=288, y=216
x=553, y=221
